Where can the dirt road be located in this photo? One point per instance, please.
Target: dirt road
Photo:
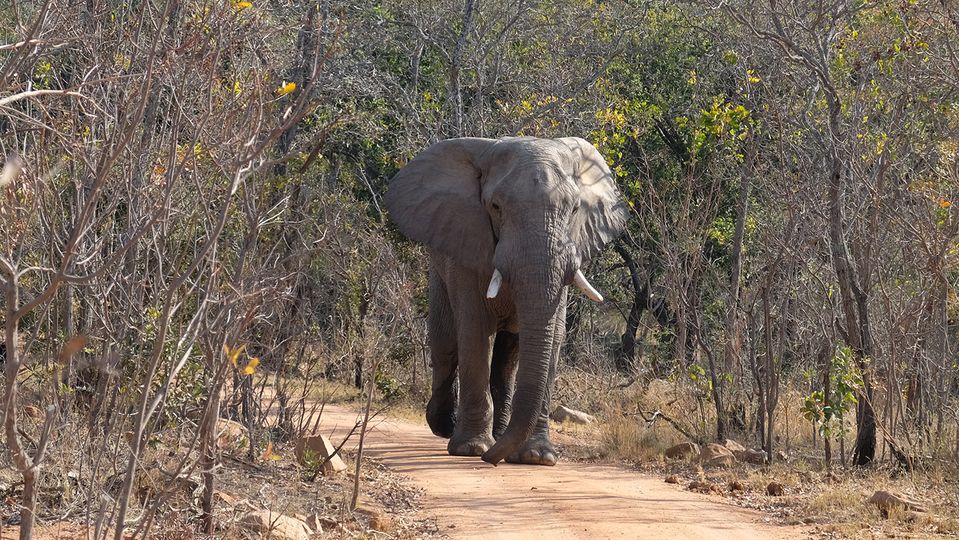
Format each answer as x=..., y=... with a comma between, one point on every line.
x=471, y=499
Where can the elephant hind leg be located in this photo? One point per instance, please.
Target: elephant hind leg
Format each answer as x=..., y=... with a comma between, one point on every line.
x=441, y=409
x=503, y=379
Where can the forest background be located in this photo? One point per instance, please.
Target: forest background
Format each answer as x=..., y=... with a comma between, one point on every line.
x=191, y=211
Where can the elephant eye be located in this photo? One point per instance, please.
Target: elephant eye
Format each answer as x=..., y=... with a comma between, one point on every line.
x=495, y=207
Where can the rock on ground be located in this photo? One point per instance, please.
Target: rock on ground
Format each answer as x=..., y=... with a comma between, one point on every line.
x=277, y=526
x=716, y=455
x=682, y=450
x=379, y=521
x=757, y=457
x=886, y=500
x=736, y=485
x=315, y=449
x=564, y=414
x=775, y=489
x=733, y=446
x=704, y=486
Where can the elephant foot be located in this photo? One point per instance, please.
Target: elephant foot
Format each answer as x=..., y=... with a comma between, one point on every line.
x=441, y=415
x=476, y=445
x=535, y=451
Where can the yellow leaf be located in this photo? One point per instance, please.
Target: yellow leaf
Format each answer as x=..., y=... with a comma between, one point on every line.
x=286, y=88
x=233, y=354
x=237, y=90
x=250, y=367
x=268, y=453
x=242, y=5
x=944, y=203
x=72, y=347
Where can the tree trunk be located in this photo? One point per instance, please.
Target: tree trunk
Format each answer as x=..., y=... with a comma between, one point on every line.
x=456, y=68
x=25, y=465
x=722, y=420
x=826, y=359
x=626, y=356
x=772, y=377
x=731, y=350
x=853, y=298
x=208, y=455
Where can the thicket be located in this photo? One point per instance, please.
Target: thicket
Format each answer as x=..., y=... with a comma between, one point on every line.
x=190, y=210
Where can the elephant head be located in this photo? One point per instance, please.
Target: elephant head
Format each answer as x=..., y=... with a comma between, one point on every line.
x=524, y=211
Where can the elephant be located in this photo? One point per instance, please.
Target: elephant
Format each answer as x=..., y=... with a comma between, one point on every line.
x=508, y=224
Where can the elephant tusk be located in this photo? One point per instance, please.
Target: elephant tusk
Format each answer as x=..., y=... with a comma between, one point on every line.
x=494, y=284
x=580, y=281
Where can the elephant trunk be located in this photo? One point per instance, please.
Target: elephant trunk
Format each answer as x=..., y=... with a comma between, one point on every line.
x=539, y=301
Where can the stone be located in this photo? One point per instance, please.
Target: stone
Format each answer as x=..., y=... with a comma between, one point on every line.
x=716, y=455
x=34, y=412
x=775, y=489
x=887, y=500
x=672, y=479
x=318, y=523
x=379, y=521
x=704, y=486
x=312, y=450
x=238, y=504
x=565, y=414
x=276, y=526
x=682, y=450
x=756, y=457
x=231, y=436
x=736, y=485
x=733, y=446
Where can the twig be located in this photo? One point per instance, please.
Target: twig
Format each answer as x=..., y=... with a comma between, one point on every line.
x=651, y=419
x=359, y=450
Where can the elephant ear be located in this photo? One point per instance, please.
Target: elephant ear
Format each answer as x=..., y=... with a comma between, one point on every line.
x=436, y=200
x=603, y=213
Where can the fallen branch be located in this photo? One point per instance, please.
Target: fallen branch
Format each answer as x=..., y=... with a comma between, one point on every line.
x=651, y=417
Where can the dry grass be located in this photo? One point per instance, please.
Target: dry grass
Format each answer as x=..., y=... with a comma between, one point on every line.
x=833, y=502
x=625, y=438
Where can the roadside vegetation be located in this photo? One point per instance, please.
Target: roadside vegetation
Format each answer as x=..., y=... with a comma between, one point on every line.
x=192, y=237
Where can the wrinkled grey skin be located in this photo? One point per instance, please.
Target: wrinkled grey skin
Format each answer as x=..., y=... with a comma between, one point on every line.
x=534, y=209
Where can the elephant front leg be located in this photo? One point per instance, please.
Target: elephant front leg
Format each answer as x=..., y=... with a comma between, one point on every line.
x=473, y=433
x=503, y=379
x=538, y=449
